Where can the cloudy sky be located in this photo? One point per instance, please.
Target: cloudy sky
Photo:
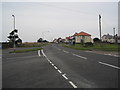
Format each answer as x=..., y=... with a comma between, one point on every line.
x=58, y=19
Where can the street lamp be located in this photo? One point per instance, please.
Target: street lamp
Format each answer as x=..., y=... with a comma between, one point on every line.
x=14, y=29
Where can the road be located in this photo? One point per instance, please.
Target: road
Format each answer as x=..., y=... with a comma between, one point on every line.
x=59, y=67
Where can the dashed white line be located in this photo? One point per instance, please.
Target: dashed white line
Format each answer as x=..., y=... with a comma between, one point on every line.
x=79, y=56
x=108, y=54
x=64, y=76
x=55, y=67
x=59, y=71
x=112, y=55
x=65, y=51
x=58, y=49
x=52, y=64
x=109, y=65
x=72, y=84
x=48, y=60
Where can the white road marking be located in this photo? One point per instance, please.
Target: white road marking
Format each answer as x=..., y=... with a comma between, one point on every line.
x=48, y=60
x=59, y=71
x=65, y=76
x=59, y=49
x=72, y=84
x=112, y=55
x=80, y=56
x=52, y=64
x=55, y=67
x=115, y=55
x=109, y=65
x=105, y=54
x=43, y=53
x=39, y=53
x=65, y=51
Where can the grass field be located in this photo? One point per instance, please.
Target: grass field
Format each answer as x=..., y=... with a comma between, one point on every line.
x=96, y=46
x=32, y=44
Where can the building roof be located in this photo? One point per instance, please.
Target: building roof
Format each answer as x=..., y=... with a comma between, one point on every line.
x=118, y=37
x=81, y=34
x=68, y=37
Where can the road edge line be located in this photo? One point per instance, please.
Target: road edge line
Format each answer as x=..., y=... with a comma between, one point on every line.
x=109, y=65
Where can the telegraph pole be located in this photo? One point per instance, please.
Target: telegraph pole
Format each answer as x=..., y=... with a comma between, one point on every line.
x=113, y=32
x=100, y=25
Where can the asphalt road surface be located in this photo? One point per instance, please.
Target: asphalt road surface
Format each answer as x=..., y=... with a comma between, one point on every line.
x=59, y=67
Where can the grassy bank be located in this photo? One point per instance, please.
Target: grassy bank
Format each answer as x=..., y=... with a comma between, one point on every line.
x=96, y=46
x=32, y=44
x=25, y=50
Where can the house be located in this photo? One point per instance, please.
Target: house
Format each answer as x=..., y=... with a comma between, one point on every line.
x=67, y=39
x=82, y=37
x=108, y=38
x=118, y=39
x=70, y=40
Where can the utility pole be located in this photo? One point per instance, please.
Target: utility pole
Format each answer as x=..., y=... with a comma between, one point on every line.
x=14, y=30
x=100, y=25
x=113, y=32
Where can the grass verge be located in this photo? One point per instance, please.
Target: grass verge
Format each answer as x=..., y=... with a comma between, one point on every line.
x=26, y=50
x=98, y=47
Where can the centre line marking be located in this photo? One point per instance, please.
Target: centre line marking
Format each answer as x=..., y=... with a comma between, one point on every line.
x=80, y=56
x=59, y=49
x=72, y=84
x=65, y=76
x=59, y=71
x=55, y=67
x=109, y=65
x=65, y=51
x=52, y=64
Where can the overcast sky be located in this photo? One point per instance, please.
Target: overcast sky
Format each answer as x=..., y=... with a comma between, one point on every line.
x=58, y=19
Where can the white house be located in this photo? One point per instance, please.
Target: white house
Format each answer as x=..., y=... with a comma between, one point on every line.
x=108, y=38
x=82, y=37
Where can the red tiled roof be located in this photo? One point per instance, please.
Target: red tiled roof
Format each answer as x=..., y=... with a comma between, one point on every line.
x=67, y=37
x=81, y=34
x=118, y=37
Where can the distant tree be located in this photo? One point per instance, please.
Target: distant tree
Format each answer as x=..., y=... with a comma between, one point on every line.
x=59, y=39
x=96, y=40
x=45, y=41
x=40, y=40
